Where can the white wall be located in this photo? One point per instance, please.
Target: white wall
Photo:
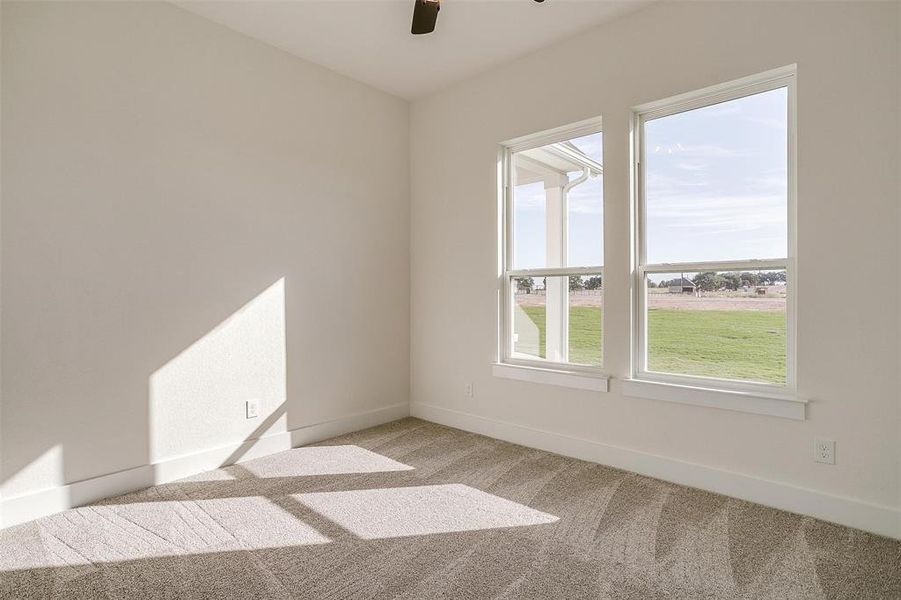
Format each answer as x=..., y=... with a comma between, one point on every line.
x=848, y=356
x=190, y=219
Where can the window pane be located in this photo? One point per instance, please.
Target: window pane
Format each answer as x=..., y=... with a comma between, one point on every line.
x=728, y=325
x=586, y=224
x=529, y=226
x=558, y=319
x=558, y=217
x=529, y=311
x=716, y=181
x=585, y=309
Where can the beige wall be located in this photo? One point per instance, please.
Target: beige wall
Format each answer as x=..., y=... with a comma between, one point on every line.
x=161, y=176
x=848, y=343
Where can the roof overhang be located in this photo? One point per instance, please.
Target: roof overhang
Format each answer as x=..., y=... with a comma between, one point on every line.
x=537, y=164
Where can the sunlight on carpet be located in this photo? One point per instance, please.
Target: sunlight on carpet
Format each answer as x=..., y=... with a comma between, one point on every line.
x=420, y=510
x=324, y=460
x=140, y=530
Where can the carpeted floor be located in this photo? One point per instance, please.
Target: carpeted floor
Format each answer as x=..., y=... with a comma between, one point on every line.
x=414, y=510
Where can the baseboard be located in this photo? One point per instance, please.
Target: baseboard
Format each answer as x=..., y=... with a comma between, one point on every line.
x=879, y=519
x=171, y=469
x=27, y=507
x=33, y=505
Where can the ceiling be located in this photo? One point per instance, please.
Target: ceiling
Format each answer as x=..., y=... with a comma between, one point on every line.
x=370, y=40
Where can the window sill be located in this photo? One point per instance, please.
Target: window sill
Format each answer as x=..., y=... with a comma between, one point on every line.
x=571, y=379
x=787, y=407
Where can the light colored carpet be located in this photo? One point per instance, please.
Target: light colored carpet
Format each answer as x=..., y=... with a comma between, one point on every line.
x=414, y=510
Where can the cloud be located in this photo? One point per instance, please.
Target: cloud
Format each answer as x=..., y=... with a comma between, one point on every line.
x=529, y=197
x=771, y=122
x=587, y=198
x=724, y=109
x=658, y=183
x=716, y=215
x=699, y=150
x=586, y=206
x=768, y=182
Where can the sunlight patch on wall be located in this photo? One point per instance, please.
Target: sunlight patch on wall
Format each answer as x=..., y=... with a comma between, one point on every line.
x=197, y=400
x=420, y=510
x=44, y=472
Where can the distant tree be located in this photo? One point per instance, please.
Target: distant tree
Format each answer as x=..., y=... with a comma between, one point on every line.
x=594, y=283
x=709, y=281
x=750, y=279
x=575, y=283
x=772, y=277
x=651, y=284
x=524, y=284
x=732, y=281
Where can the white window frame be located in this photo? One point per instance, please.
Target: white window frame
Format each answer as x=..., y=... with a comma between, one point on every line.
x=779, y=78
x=537, y=370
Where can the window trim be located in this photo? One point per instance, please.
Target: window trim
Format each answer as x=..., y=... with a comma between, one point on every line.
x=506, y=274
x=563, y=377
x=784, y=77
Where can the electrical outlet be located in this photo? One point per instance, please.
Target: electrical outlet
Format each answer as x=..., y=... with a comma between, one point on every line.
x=824, y=451
x=468, y=390
x=252, y=408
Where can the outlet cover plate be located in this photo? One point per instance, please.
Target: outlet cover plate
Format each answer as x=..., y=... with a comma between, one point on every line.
x=252, y=408
x=824, y=451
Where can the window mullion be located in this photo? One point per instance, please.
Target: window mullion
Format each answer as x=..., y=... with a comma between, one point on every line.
x=555, y=271
x=727, y=265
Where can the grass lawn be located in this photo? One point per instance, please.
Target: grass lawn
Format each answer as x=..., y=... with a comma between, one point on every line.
x=732, y=344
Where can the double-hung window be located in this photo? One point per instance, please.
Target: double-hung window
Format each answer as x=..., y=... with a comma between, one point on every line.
x=715, y=269
x=553, y=248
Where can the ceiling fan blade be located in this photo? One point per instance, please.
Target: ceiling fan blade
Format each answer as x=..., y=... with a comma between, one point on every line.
x=425, y=14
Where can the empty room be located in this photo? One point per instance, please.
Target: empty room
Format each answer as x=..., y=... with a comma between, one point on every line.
x=457, y=299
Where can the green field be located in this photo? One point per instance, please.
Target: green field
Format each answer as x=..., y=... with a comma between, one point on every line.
x=731, y=344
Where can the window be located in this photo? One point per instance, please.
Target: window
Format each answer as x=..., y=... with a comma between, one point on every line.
x=552, y=255
x=714, y=302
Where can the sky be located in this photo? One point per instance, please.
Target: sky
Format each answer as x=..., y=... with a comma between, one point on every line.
x=715, y=183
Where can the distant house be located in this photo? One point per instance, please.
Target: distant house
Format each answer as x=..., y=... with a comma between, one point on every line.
x=687, y=287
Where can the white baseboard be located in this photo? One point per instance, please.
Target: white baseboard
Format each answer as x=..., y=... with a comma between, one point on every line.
x=171, y=469
x=879, y=519
x=33, y=505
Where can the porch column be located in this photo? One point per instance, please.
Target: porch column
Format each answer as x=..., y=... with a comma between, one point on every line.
x=557, y=291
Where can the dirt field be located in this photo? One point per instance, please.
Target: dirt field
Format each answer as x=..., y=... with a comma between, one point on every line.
x=671, y=301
